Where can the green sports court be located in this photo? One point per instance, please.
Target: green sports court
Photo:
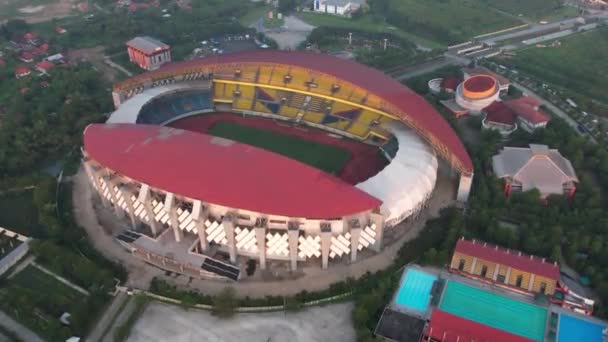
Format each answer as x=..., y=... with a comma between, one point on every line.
x=495, y=310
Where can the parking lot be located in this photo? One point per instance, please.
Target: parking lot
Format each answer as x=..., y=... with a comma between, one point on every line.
x=164, y=322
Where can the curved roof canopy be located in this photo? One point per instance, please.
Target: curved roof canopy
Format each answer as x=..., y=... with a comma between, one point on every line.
x=399, y=100
x=222, y=172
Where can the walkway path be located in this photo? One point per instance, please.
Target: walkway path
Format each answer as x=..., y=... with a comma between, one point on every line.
x=104, y=323
x=61, y=279
x=313, y=277
x=109, y=62
x=121, y=319
x=22, y=332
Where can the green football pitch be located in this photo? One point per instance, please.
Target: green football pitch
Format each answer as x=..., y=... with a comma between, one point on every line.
x=328, y=158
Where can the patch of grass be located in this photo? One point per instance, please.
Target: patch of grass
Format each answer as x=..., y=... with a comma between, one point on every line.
x=37, y=300
x=534, y=9
x=366, y=23
x=328, y=158
x=19, y=213
x=254, y=14
x=449, y=21
x=273, y=23
x=578, y=65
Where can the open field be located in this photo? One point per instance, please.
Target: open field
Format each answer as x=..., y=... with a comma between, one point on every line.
x=34, y=11
x=365, y=23
x=330, y=159
x=37, y=300
x=578, y=65
x=19, y=214
x=534, y=9
x=163, y=322
x=447, y=21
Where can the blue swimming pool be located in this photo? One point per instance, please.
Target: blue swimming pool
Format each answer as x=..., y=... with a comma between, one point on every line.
x=415, y=290
x=575, y=329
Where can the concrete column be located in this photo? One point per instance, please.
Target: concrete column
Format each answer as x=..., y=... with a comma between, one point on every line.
x=293, y=231
x=472, y=269
x=508, y=276
x=355, y=233
x=144, y=197
x=126, y=194
x=260, y=236
x=228, y=223
x=200, y=215
x=325, y=244
x=379, y=221
x=112, y=183
x=531, y=282
x=464, y=188
x=495, y=275
x=100, y=185
x=171, y=209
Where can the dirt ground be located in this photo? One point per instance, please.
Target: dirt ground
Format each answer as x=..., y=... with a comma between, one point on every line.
x=95, y=56
x=36, y=13
x=164, y=322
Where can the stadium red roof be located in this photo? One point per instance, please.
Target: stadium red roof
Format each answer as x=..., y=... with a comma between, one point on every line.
x=223, y=172
x=511, y=258
x=526, y=108
x=498, y=112
x=393, y=92
x=446, y=327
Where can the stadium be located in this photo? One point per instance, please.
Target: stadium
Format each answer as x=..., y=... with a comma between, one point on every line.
x=266, y=155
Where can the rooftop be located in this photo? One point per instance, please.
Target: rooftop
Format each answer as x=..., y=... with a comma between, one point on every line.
x=527, y=108
x=400, y=100
x=498, y=112
x=479, y=86
x=147, y=45
x=511, y=258
x=222, y=172
x=502, y=81
x=535, y=167
x=446, y=327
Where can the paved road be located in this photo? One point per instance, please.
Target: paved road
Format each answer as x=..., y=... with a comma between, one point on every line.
x=104, y=322
x=557, y=111
x=22, y=332
x=427, y=67
x=122, y=318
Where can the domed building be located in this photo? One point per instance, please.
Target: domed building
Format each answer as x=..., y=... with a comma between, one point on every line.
x=477, y=92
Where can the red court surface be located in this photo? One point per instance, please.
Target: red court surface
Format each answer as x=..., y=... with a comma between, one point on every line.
x=365, y=161
x=222, y=172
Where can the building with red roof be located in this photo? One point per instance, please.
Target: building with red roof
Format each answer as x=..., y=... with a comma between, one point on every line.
x=528, y=113
x=499, y=117
x=26, y=56
x=504, y=267
x=148, y=52
x=22, y=71
x=450, y=84
x=446, y=327
x=44, y=66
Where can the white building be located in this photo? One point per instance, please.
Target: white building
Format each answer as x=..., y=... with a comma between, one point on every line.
x=337, y=7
